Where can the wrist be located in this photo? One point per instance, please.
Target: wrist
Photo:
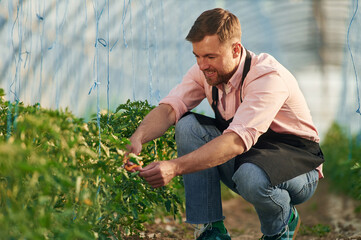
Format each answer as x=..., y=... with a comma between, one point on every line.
x=135, y=138
x=176, y=167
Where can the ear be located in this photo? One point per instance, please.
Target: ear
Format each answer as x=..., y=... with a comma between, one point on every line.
x=236, y=49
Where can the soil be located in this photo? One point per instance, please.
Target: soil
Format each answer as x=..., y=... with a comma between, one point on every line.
x=327, y=215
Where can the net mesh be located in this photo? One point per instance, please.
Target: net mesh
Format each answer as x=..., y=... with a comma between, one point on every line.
x=92, y=55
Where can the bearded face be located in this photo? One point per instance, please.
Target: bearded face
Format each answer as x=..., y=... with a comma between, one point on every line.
x=216, y=60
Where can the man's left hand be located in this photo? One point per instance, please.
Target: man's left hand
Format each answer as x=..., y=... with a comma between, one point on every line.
x=158, y=174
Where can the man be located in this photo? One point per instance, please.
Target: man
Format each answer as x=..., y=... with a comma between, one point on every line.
x=262, y=143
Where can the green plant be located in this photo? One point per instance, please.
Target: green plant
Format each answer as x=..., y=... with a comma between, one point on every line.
x=62, y=178
x=343, y=160
x=318, y=230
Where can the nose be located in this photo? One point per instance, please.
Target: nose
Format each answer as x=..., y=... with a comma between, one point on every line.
x=202, y=63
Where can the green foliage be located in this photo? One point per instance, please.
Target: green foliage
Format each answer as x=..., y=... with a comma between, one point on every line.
x=343, y=161
x=319, y=230
x=57, y=183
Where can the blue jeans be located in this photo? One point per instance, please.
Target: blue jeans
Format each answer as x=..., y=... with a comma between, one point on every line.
x=202, y=189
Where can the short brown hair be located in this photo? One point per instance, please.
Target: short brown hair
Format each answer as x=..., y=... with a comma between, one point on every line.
x=215, y=21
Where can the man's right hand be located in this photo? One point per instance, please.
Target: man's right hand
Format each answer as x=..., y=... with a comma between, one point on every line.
x=135, y=146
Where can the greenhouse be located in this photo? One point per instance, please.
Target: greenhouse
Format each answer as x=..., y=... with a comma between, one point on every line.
x=79, y=77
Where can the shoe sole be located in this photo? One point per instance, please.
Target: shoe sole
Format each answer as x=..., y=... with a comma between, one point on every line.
x=297, y=228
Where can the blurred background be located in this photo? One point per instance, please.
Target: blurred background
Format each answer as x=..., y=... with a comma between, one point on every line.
x=92, y=55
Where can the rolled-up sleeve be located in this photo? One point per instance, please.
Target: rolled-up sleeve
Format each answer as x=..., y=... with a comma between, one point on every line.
x=188, y=94
x=263, y=97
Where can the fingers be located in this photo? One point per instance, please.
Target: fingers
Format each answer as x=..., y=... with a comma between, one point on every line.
x=151, y=178
x=133, y=149
x=149, y=171
x=131, y=166
x=156, y=183
x=152, y=174
x=157, y=174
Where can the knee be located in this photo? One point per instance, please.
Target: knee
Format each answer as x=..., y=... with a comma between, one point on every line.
x=184, y=127
x=191, y=134
x=185, y=138
x=252, y=183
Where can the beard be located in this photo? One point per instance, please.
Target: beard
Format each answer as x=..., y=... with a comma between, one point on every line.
x=219, y=77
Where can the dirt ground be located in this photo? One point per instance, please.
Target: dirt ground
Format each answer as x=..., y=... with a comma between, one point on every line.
x=327, y=215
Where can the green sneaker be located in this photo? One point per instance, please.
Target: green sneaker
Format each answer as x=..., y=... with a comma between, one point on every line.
x=290, y=231
x=209, y=233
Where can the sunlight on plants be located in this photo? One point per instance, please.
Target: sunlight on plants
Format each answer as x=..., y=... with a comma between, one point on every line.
x=60, y=180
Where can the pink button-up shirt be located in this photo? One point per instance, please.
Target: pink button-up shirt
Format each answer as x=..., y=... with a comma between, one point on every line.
x=271, y=98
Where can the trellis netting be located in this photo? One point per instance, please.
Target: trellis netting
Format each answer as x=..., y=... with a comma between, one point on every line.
x=92, y=55
x=349, y=112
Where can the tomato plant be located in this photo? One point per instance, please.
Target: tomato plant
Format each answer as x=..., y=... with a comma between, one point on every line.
x=343, y=160
x=59, y=179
